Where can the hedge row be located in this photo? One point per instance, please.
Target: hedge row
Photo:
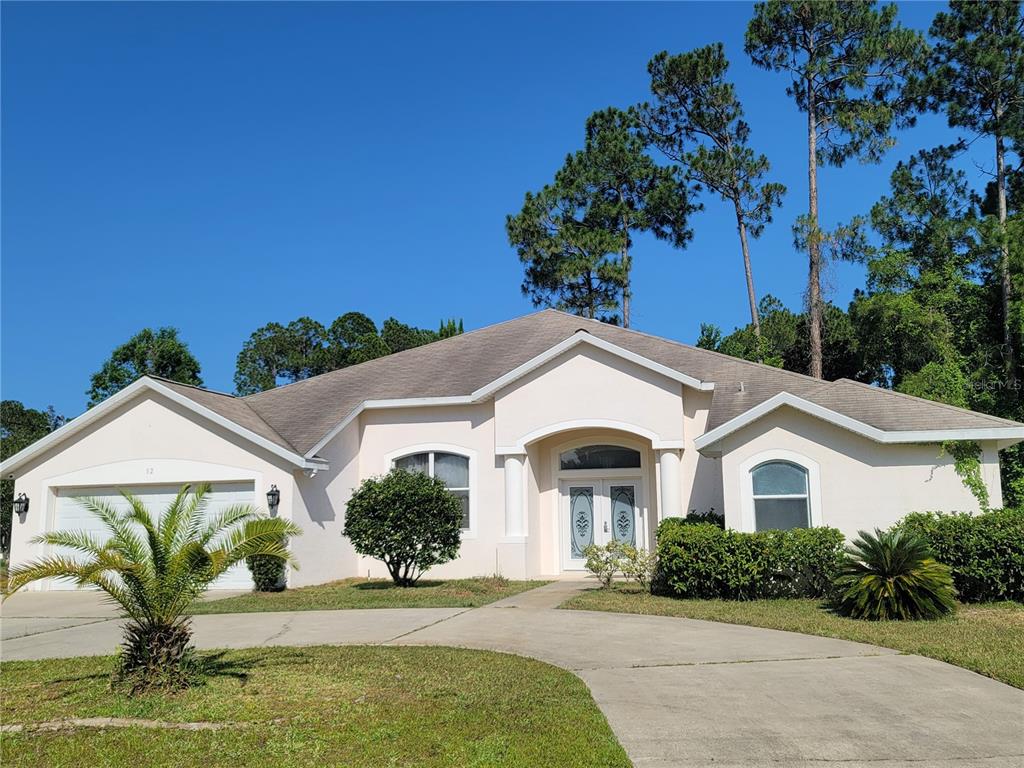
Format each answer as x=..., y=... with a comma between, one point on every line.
x=985, y=552
x=704, y=561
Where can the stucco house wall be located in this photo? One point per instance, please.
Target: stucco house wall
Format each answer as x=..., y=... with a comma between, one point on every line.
x=322, y=552
x=585, y=387
x=861, y=484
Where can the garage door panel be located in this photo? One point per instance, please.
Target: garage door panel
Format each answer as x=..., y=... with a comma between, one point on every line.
x=71, y=515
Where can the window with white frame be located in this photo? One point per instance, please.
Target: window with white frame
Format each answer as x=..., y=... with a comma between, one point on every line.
x=781, y=496
x=451, y=468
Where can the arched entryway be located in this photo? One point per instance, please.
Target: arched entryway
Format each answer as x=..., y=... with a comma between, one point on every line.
x=602, y=483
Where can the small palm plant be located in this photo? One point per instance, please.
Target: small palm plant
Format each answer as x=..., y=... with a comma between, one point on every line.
x=154, y=568
x=893, y=575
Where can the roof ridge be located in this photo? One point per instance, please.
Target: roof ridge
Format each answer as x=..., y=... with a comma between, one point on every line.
x=392, y=355
x=916, y=399
x=191, y=386
x=695, y=348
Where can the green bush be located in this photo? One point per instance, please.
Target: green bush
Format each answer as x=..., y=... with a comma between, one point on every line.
x=408, y=520
x=615, y=557
x=703, y=561
x=715, y=518
x=267, y=572
x=985, y=552
x=893, y=575
x=604, y=561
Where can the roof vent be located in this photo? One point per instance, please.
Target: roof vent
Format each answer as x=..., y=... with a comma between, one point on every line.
x=742, y=388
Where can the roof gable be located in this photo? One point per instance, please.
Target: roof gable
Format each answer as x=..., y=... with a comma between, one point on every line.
x=224, y=410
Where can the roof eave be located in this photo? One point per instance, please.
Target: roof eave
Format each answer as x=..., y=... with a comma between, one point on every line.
x=707, y=442
x=10, y=466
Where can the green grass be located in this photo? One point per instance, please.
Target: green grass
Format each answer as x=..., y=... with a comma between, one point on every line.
x=322, y=706
x=377, y=593
x=985, y=638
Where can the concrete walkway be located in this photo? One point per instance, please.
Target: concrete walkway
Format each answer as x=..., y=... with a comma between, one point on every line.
x=677, y=692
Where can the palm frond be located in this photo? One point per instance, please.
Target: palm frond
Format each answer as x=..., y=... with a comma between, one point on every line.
x=80, y=541
x=48, y=567
x=222, y=523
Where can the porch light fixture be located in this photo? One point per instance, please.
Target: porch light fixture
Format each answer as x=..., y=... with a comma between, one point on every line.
x=21, y=506
x=273, y=498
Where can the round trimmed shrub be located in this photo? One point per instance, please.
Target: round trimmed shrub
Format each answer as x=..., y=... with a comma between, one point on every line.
x=893, y=575
x=408, y=520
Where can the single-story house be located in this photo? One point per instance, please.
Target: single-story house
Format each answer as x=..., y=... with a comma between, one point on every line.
x=555, y=431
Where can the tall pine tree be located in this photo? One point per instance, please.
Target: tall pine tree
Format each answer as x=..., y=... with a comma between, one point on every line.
x=847, y=62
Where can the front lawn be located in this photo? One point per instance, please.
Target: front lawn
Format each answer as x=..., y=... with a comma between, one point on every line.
x=985, y=638
x=376, y=593
x=325, y=706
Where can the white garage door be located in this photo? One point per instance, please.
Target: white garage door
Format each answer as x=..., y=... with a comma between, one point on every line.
x=72, y=516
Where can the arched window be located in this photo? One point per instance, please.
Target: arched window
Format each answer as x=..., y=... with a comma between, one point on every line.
x=780, y=496
x=451, y=468
x=600, y=457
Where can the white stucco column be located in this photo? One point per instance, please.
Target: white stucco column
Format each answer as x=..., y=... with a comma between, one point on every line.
x=671, y=496
x=515, y=509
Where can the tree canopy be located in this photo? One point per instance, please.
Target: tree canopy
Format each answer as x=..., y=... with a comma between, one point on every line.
x=697, y=121
x=276, y=354
x=147, y=353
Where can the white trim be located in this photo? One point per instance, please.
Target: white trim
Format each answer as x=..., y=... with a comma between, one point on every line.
x=486, y=391
x=845, y=422
x=562, y=426
x=746, y=480
x=126, y=394
x=469, y=453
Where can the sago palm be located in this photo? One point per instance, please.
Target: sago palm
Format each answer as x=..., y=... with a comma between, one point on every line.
x=893, y=575
x=154, y=567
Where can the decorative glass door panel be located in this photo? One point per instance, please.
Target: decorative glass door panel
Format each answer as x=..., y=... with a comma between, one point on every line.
x=581, y=519
x=623, y=513
x=597, y=512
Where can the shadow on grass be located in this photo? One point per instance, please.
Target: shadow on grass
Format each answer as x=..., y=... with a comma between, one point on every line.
x=371, y=585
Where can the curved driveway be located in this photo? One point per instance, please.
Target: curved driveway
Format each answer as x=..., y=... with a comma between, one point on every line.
x=677, y=692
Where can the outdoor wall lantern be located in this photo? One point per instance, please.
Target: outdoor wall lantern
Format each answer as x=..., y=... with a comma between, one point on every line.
x=21, y=506
x=273, y=498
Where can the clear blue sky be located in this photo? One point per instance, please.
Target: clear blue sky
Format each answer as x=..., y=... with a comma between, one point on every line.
x=215, y=167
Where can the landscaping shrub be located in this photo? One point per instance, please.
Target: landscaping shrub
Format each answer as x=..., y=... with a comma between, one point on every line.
x=606, y=561
x=703, y=561
x=715, y=518
x=984, y=552
x=408, y=520
x=638, y=565
x=267, y=572
x=893, y=575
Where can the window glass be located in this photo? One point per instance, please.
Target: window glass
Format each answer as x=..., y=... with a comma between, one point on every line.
x=600, y=457
x=464, y=498
x=452, y=469
x=780, y=496
x=780, y=514
x=780, y=478
x=417, y=462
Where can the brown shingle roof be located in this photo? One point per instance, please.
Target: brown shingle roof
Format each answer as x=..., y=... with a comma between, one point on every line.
x=299, y=415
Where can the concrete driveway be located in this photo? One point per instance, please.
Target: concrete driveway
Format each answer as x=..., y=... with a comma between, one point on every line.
x=677, y=692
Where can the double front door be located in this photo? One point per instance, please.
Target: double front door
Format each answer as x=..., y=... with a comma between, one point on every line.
x=597, y=512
